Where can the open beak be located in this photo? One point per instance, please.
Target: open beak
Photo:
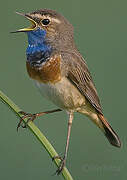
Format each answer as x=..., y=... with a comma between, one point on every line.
x=31, y=28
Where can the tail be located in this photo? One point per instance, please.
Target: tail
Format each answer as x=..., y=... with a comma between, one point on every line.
x=109, y=132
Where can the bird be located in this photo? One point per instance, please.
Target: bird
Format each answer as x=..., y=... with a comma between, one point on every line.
x=61, y=74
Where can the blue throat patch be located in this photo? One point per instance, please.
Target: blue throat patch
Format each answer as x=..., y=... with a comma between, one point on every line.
x=38, y=50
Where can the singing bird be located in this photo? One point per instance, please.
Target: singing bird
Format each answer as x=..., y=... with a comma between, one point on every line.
x=60, y=72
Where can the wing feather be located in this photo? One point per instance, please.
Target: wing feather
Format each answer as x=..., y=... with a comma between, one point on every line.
x=77, y=72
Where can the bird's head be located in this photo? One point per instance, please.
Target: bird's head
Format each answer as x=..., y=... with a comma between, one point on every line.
x=50, y=27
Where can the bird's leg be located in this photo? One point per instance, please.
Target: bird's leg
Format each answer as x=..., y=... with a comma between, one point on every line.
x=31, y=117
x=63, y=160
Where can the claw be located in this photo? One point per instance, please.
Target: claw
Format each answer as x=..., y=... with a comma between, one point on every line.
x=57, y=157
x=61, y=166
x=30, y=117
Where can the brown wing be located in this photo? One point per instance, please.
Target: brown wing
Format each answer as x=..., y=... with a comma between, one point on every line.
x=77, y=72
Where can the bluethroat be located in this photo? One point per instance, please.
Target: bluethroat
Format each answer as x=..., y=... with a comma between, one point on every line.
x=60, y=72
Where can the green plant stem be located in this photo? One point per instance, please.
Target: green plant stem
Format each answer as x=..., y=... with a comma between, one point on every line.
x=39, y=135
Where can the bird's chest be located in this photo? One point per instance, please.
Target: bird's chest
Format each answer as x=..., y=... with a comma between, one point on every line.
x=48, y=72
x=62, y=93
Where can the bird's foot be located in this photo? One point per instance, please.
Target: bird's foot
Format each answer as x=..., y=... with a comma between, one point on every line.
x=61, y=165
x=30, y=117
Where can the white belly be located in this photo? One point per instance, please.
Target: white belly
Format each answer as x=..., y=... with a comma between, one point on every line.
x=63, y=94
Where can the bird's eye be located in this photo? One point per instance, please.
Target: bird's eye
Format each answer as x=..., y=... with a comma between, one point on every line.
x=45, y=21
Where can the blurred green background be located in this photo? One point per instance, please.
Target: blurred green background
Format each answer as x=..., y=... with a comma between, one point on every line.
x=101, y=36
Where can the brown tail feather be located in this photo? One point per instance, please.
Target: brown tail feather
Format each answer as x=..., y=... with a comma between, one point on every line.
x=109, y=132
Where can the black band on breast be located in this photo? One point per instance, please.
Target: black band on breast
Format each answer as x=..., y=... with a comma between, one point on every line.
x=37, y=58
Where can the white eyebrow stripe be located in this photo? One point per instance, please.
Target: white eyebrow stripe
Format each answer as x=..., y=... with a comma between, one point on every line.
x=56, y=20
x=48, y=17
